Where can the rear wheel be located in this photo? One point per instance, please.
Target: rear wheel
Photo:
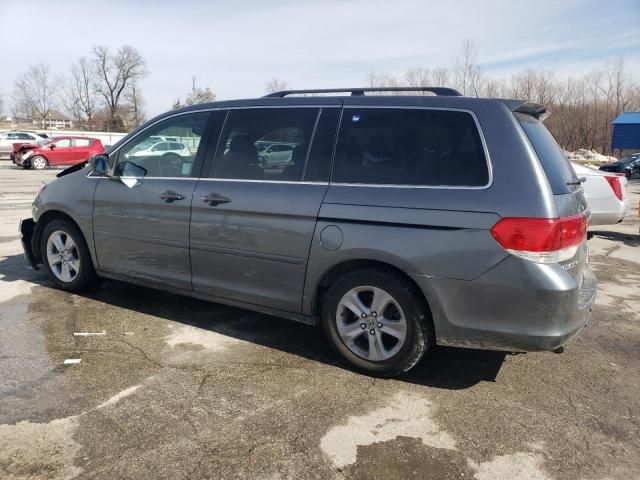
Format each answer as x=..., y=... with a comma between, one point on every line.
x=377, y=321
x=66, y=257
x=39, y=162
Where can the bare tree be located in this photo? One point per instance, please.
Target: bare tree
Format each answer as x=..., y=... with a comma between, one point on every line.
x=196, y=96
x=382, y=80
x=81, y=97
x=468, y=74
x=117, y=72
x=440, y=77
x=418, y=77
x=134, y=108
x=275, y=85
x=35, y=92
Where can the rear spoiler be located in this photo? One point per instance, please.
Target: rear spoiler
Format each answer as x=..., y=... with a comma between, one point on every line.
x=535, y=110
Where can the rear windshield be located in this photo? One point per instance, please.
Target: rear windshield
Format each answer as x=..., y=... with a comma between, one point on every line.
x=554, y=162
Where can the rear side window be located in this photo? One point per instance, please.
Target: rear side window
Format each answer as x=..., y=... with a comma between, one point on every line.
x=554, y=162
x=249, y=147
x=422, y=147
x=81, y=142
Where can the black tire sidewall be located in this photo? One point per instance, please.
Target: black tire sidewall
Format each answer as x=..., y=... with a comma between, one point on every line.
x=87, y=272
x=418, y=338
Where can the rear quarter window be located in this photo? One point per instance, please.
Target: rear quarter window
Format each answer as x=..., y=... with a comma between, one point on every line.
x=554, y=162
x=404, y=146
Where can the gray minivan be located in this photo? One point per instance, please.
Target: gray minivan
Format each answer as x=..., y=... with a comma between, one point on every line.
x=397, y=223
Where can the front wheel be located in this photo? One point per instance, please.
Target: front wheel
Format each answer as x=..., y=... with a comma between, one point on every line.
x=377, y=321
x=39, y=162
x=66, y=257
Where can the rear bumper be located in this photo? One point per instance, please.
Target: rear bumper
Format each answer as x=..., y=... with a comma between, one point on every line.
x=607, y=211
x=516, y=306
x=26, y=229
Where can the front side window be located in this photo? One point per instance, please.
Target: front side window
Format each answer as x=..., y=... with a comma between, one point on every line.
x=265, y=144
x=421, y=147
x=145, y=156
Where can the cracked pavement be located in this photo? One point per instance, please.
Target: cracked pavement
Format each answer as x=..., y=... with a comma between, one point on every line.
x=181, y=388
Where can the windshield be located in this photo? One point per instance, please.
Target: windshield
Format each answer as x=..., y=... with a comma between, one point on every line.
x=629, y=158
x=43, y=142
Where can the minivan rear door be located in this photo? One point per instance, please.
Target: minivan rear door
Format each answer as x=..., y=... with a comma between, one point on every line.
x=565, y=185
x=251, y=226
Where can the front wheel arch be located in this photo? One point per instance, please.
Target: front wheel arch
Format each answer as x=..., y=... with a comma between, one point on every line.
x=44, y=219
x=36, y=156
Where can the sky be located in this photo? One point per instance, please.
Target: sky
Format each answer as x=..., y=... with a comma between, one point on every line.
x=235, y=47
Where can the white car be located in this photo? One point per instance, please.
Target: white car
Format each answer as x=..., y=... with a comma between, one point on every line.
x=162, y=148
x=605, y=194
x=7, y=139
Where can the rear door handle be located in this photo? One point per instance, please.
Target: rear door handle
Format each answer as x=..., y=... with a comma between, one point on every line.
x=169, y=196
x=214, y=199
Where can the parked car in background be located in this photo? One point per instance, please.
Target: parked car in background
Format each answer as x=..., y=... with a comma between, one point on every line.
x=400, y=222
x=629, y=165
x=8, y=139
x=276, y=155
x=159, y=149
x=606, y=195
x=56, y=151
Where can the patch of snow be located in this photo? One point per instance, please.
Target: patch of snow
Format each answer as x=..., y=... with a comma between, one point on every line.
x=519, y=465
x=406, y=415
x=588, y=156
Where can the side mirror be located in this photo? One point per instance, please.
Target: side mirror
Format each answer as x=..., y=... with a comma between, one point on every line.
x=130, y=169
x=99, y=164
x=52, y=146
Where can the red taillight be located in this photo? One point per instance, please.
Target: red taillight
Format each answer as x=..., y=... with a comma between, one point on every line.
x=614, y=182
x=543, y=240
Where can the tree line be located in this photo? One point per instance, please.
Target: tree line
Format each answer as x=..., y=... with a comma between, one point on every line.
x=581, y=107
x=101, y=90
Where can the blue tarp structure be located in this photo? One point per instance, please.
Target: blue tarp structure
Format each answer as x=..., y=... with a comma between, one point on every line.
x=626, y=131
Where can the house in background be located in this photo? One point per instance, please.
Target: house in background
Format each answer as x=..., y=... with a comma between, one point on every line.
x=54, y=119
x=626, y=131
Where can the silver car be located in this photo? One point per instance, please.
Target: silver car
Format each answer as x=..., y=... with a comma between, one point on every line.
x=397, y=223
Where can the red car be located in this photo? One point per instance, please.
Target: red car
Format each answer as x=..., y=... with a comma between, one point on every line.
x=56, y=151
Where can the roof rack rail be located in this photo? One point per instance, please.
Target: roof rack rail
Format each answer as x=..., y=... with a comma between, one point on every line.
x=358, y=92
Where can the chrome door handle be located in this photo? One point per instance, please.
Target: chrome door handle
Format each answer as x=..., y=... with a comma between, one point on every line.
x=214, y=199
x=169, y=196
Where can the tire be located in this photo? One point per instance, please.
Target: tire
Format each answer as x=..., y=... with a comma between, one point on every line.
x=39, y=162
x=395, y=356
x=75, y=259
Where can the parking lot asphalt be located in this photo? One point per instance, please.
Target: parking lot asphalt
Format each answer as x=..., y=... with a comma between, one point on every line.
x=172, y=387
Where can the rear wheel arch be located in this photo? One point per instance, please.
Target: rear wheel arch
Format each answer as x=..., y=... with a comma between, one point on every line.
x=334, y=272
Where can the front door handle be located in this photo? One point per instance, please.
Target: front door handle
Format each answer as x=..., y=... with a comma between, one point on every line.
x=169, y=196
x=214, y=199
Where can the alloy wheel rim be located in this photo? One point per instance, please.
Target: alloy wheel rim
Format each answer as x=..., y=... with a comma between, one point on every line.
x=371, y=323
x=63, y=256
x=38, y=163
